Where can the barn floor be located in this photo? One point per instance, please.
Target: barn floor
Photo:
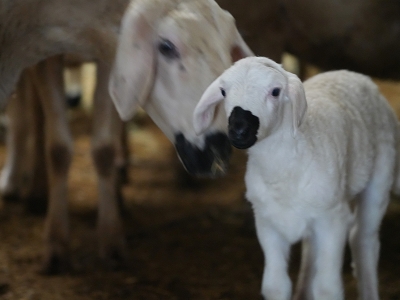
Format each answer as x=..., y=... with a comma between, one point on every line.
x=187, y=238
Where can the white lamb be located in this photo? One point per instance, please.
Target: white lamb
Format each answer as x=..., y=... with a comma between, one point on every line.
x=303, y=180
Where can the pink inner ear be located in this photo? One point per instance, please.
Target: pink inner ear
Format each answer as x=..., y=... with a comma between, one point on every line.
x=237, y=53
x=206, y=118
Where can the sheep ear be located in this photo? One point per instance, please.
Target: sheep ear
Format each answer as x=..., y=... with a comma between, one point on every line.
x=132, y=75
x=298, y=99
x=227, y=27
x=240, y=49
x=204, y=112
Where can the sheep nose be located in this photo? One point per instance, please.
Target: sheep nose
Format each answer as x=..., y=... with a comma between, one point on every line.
x=239, y=129
x=210, y=161
x=243, y=128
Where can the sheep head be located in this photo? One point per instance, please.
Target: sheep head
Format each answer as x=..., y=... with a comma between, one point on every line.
x=259, y=97
x=169, y=52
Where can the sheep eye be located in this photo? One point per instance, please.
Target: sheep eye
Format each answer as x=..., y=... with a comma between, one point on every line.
x=168, y=49
x=276, y=92
x=223, y=92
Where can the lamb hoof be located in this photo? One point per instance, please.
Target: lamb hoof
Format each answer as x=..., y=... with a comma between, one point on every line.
x=55, y=264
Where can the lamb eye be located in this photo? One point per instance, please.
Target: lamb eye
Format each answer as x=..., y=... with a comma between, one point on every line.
x=168, y=49
x=276, y=92
x=223, y=92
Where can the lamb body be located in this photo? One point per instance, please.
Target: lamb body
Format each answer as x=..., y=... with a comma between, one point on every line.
x=302, y=180
x=332, y=156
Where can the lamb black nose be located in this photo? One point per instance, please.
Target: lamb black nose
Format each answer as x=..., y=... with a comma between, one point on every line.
x=243, y=127
x=239, y=129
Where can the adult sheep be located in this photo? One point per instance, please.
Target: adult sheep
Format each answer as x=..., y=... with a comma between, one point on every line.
x=314, y=152
x=169, y=51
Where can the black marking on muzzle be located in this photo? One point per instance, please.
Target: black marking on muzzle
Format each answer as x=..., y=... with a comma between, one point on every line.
x=243, y=128
x=212, y=161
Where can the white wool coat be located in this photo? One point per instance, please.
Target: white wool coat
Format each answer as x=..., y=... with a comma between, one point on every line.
x=332, y=158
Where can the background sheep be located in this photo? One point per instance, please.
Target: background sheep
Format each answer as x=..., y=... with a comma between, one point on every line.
x=305, y=169
x=31, y=31
x=41, y=152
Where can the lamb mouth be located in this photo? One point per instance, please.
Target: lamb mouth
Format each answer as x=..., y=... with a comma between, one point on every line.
x=243, y=144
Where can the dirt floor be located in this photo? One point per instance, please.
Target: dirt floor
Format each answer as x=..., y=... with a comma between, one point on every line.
x=187, y=238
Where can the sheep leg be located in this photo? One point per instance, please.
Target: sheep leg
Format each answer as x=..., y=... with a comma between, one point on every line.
x=276, y=284
x=19, y=135
x=364, y=235
x=328, y=241
x=122, y=155
x=35, y=190
x=24, y=174
x=107, y=128
x=58, y=148
x=306, y=271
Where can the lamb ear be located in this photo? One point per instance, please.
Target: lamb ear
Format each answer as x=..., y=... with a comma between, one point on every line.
x=297, y=97
x=132, y=75
x=204, y=112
